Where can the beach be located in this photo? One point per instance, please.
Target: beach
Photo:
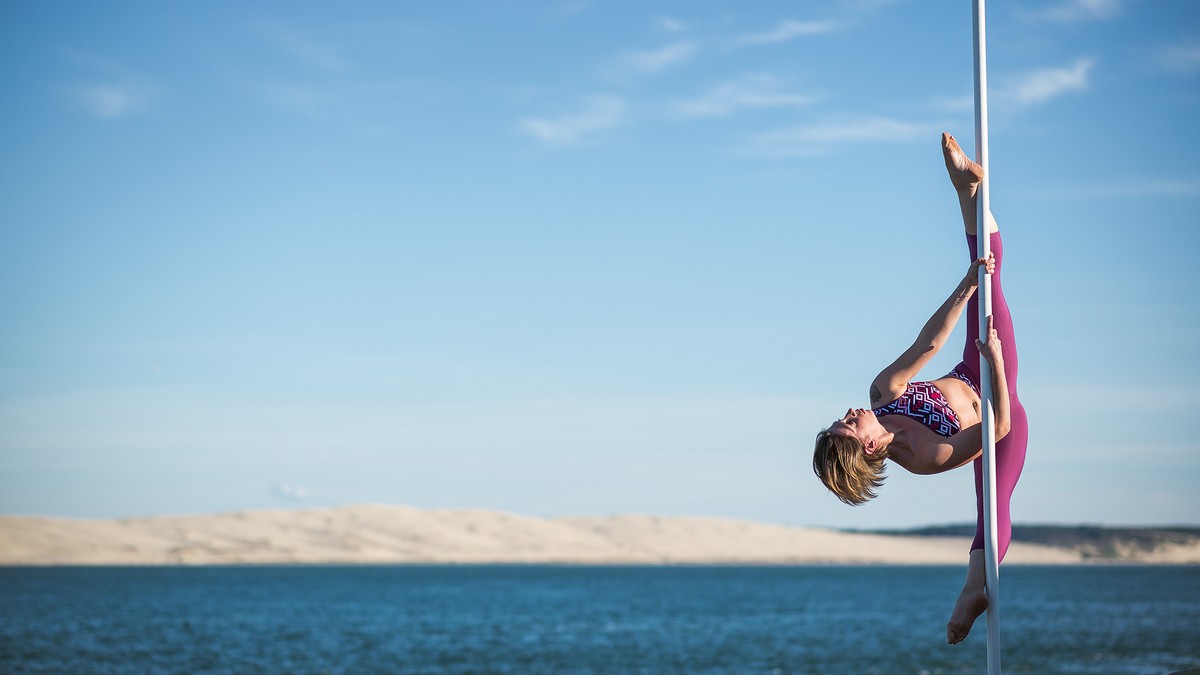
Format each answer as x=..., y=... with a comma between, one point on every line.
x=396, y=534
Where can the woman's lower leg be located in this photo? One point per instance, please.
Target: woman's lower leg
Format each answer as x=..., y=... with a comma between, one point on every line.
x=972, y=601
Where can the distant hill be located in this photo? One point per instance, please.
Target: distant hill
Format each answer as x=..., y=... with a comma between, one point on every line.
x=1090, y=542
x=394, y=534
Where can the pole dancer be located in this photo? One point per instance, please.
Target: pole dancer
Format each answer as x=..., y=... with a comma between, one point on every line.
x=936, y=426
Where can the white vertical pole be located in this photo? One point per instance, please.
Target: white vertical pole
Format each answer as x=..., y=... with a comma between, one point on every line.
x=985, y=310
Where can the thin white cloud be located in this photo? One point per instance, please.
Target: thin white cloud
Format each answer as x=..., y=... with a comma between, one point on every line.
x=1161, y=187
x=599, y=113
x=953, y=104
x=656, y=60
x=869, y=5
x=1183, y=59
x=305, y=100
x=821, y=138
x=1167, y=187
x=1072, y=11
x=567, y=9
x=111, y=101
x=1039, y=86
x=786, y=31
x=308, y=50
x=752, y=91
x=108, y=90
x=672, y=25
x=289, y=492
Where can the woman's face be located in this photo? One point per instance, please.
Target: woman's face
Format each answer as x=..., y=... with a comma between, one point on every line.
x=862, y=424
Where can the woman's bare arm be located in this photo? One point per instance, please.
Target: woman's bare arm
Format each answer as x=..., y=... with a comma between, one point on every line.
x=991, y=350
x=893, y=379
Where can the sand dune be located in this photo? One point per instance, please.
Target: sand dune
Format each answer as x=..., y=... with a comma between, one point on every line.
x=400, y=534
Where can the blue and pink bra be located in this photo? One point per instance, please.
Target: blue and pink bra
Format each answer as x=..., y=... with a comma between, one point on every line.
x=924, y=402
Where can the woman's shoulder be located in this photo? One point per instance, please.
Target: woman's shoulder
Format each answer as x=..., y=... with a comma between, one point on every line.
x=918, y=452
x=886, y=395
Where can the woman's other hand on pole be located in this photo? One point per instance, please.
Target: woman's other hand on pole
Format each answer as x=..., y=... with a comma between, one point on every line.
x=991, y=349
x=972, y=278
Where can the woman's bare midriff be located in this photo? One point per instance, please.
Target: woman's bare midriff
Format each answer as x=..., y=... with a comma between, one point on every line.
x=961, y=398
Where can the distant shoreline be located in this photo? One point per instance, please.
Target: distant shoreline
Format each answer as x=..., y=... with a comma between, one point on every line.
x=10, y=565
x=402, y=535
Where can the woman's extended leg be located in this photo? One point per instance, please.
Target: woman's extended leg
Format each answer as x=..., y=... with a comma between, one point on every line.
x=1010, y=450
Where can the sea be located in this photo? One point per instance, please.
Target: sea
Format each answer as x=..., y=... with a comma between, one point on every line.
x=576, y=619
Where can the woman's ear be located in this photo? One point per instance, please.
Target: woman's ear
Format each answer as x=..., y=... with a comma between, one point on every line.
x=870, y=446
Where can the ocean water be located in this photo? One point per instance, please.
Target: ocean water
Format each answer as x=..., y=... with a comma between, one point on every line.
x=567, y=619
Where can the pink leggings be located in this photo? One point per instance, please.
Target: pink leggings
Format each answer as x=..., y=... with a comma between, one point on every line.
x=1010, y=451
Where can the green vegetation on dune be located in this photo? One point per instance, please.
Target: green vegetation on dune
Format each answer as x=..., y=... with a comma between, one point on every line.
x=1091, y=541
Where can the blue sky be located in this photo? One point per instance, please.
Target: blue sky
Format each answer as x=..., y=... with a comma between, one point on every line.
x=579, y=257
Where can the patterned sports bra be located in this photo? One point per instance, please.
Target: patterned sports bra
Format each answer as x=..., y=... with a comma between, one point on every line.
x=924, y=402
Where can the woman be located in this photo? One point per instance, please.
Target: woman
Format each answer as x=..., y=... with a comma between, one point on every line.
x=930, y=427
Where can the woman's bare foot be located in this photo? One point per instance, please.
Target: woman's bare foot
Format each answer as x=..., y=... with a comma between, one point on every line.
x=964, y=173
x=971, y=603
x=966, y=176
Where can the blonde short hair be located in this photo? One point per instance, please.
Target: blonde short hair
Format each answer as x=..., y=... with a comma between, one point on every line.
x=844, y=468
